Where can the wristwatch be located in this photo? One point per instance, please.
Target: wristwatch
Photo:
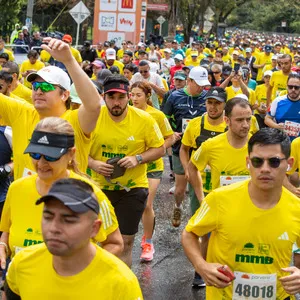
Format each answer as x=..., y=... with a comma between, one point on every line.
x=5, y=170
x=139, y=158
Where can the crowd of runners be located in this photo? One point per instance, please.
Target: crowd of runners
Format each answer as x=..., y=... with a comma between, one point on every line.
x=83, y=133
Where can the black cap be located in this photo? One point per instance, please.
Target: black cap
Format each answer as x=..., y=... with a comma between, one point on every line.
x=87, y=43
x=241, y=57
x=216, y=93
x=204, y=61
x=102, y=74
x=128, y=52
x=50, y=144
x=142, y=52
x=72, y=196
x=227, y=69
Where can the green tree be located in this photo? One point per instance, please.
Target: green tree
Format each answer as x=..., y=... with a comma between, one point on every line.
x=9, y=15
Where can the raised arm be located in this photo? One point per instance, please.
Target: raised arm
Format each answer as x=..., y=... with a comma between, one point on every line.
x=90, y=108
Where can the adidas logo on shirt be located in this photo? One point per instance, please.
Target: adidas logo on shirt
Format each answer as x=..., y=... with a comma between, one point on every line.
x=284, y=237
x=43, y=140
x=131, y=138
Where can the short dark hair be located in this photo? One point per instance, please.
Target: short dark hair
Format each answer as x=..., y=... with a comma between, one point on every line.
x=293, y=75
x=13, y=67
x=284, y=56
x=129, y=67
x=271, y=136
x=143, y=63
x=6, y=76
x=5, y=56
x=33, y=54
x=233, y=102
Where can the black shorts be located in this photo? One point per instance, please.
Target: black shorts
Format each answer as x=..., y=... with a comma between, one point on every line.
x=129, y=208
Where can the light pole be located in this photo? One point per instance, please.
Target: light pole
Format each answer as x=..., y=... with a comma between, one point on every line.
x=29, y=14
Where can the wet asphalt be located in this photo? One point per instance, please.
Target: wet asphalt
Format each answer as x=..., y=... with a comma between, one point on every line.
x=169, y=276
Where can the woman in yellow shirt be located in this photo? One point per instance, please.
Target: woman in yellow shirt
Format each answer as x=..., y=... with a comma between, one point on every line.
x=52, y=152
x=140, y=96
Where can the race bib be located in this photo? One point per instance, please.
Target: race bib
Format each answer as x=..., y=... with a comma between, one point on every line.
x=185, y=123
x=249, y=286
x=291, y=128
x=28, y=172
x=226, y=180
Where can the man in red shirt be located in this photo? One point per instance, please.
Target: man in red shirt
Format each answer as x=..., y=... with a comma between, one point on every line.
x=178, y=58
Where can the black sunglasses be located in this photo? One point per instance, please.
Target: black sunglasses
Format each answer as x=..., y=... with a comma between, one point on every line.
x=274, y=162
x=38, y=156
x=295, y=87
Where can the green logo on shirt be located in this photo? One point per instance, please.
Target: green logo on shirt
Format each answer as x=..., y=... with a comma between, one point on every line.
x=28, y=242
x=112, y=155
x=254, y=259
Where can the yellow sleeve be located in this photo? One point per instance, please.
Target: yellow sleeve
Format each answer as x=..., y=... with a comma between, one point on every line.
x=252, y=98
x=188, y=136
x=200, y=157
x=153, y=138
x=12, y=273
x=6, y=213
x=295, y=154
x=130, y=290
x=11, y=109
x=254, y=125
x=164, y=126
x=107, y=213
x=205, y=219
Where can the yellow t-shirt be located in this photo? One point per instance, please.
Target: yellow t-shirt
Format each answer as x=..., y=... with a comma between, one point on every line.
x=166, y=131
x=223, y=159
x=45, y=56
x=133, y=135
x=106, y=277
x=192, y=131
x=99, y=53
x=262, y=59
x=226, y=58
x=120, y=53
x=22, y=219
x=261, y=96
x=279, y=83
x=27, y=65
x=243, y=236
x=10, y=54
x=190, y=62
x=231, y=93
x=267, y=68
x=76, y=54
x=119, y=65
x=23, y=117
x=23, y=92
x=295, y=152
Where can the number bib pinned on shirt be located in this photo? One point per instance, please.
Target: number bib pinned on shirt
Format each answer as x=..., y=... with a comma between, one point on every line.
x=229, y=179
x=249, y=286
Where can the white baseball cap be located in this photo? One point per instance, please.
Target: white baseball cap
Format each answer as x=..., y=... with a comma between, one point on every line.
x=268, y=73
x=178, y=56
x=53, y=75
x=167, y=50
x=110, y=53
x=199, y=74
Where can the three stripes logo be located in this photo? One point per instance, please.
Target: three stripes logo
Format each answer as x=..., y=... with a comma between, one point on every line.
x=284, y=237
x=202, y=212
x=131, y=138
x=43, y=140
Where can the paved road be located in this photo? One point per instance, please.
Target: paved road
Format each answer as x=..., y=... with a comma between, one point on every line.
x=170, y=274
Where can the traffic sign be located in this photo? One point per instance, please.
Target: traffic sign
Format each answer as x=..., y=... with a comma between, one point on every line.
x=79, y=12
x=161, y=20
